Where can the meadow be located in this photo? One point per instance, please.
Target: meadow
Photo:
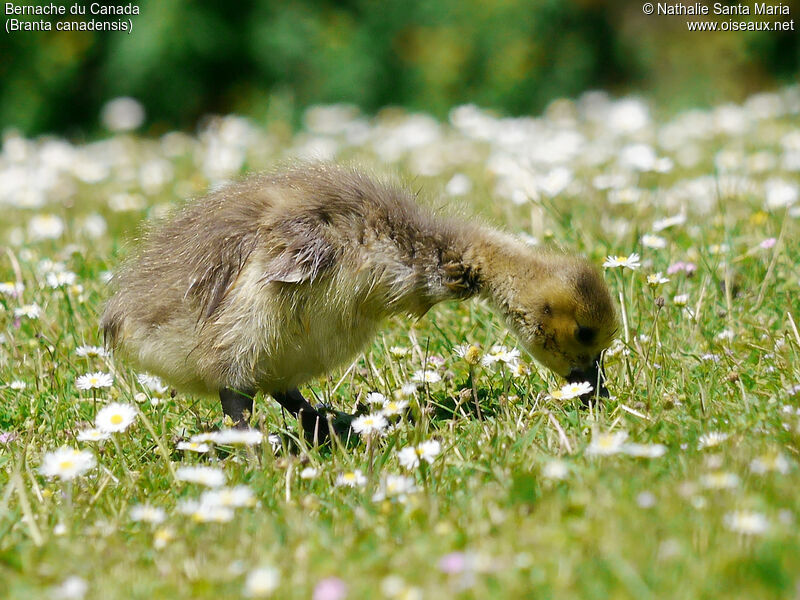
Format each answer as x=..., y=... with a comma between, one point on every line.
x=482, y=477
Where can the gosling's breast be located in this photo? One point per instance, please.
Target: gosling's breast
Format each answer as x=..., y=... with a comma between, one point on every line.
x=283, y=334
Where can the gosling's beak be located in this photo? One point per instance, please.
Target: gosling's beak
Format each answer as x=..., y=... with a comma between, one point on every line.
x=594, y=375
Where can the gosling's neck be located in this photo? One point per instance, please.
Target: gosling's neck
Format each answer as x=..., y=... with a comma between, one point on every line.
x=499, y=263
x=457, y=261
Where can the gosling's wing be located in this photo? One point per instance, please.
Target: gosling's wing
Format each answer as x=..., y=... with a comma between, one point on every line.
x=215, y=275
x=292, y=251
x=303, y=258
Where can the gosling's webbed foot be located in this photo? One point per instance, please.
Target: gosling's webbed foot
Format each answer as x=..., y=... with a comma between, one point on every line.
x=314, y=420
x=341, y=422
x=238, y=405
x=317, y=426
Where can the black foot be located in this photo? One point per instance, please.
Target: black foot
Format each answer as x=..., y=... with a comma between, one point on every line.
x=314, y=421
x=238, y=405
x=341, y=422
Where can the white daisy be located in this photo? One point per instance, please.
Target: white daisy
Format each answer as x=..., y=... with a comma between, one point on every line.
x=233, y=497
x=45, y=227
x=630, y=262
x=151, y=383
x=519, y=369
x=208, y=476
x=148, y=514
x=72, y=588
x=93, y=435
x=66, y=463
x=90, y=351
x=309, y=473
x=653, y=241
x=773, y=462
x=205, y=513
x=746, y=522
x=368, y=424
x=92, y=381
x=726, y=335
x=115, y=417
x=233, y=437
x=122, y=114
x=411, y=456
x=646, y=499
x=458, y=185
x=395, y=486
x=47, y=265
x=572, y=390
x=351, y=479
x=713, y=438
x=163, y=536
x=719, y=480
x=17, y=385
x=408, y=457
x=656, y=279
x=60, y=279
x=469, y=352
x=680, y=300
x=500, y=354
x=393, y=408
x=375, y=398
x=30, y=311
x=645, y=450
x=555, y=469
x=194, y=446
x=408, y=389
x=429, y=450
x=261, y=582
x=94, y=226
x=662, y=224
x=426, y=376
x=12, y=289
x=606, y=443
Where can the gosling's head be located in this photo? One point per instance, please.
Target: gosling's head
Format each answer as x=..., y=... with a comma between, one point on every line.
x=564, y=316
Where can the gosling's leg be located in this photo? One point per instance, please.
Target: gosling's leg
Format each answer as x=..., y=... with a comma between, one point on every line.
x=238, y=405
x=315, y=426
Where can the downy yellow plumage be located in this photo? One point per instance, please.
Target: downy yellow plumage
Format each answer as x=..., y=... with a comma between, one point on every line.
x=279, y=278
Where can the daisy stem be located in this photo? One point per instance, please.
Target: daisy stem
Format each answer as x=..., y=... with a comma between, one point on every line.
x=121, y=457
x=252, y=457
x=162, y=448
x=370, y=453
x=625, y=328
x=288, y=482
x=475, y=392
x=68, y=500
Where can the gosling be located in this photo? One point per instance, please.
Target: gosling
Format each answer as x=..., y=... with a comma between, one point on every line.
x=279, y=278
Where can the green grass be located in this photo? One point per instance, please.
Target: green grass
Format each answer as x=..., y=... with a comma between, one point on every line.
x=615, y=526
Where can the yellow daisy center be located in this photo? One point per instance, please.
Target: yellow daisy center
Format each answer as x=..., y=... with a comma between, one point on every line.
x=116, y=419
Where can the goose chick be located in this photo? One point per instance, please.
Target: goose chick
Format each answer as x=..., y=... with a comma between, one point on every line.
x=274, y=280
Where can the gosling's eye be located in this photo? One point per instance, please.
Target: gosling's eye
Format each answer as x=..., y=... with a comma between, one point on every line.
x=585, y=335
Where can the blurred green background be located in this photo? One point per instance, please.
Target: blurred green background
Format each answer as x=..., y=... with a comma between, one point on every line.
x=262, y=58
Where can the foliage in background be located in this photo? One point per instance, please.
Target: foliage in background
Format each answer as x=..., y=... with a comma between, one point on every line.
x=265, y=57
